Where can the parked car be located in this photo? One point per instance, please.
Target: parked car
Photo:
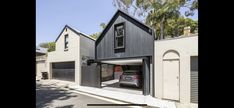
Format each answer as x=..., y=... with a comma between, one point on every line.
x=131, y=78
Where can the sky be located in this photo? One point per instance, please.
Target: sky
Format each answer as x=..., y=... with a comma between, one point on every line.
x=84, y=15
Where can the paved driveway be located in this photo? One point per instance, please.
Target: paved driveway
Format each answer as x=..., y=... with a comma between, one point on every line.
x=53, y=96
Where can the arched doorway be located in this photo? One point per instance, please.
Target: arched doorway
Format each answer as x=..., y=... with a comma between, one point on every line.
x=171, y=71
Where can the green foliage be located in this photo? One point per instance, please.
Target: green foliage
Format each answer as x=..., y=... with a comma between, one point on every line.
x=174, y=27
x=49, y=45
x=96, y=35
x=192, y=7
x=103, y=25
x=162, y=15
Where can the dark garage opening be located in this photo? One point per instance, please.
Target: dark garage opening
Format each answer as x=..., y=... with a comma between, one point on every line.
x=63, y=71
x=110, y=76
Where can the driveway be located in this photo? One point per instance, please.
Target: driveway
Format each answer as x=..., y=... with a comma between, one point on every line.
x=113, y=85
x=52, y=95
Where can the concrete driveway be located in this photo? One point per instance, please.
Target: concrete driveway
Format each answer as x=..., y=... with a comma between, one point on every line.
x=113, y=85
x=54, y=94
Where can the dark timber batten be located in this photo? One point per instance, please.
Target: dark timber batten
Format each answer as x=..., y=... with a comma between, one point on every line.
x=138, y=43
x=139, y=39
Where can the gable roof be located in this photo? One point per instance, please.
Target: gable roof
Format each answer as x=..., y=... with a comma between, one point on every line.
x=127, y=17
x=41, y=50
x=75, y=31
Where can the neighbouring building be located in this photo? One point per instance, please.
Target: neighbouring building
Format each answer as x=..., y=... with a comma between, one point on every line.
x=169, y=67
x=72, y=50
x=41, y=59
x=176, y=70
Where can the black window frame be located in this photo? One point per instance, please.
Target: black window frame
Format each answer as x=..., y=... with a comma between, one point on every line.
x=123, y=36
x=66, y=42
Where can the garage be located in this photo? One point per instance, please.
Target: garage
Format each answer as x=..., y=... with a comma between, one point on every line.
x=63, y=71
x=124, y=75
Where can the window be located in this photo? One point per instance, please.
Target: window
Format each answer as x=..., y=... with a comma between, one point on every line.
x=119, y=36
x=66, y=42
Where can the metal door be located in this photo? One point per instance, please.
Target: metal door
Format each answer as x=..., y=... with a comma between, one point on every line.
x=63, y=71
x=91, y=76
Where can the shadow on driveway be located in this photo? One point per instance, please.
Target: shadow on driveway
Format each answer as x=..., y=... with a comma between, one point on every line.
x=45, y=94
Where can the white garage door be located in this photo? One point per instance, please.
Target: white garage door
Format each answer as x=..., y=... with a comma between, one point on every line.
x=171, y=79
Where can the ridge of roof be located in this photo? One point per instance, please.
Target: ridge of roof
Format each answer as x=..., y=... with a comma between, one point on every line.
x=74, y=30
x=118, y=10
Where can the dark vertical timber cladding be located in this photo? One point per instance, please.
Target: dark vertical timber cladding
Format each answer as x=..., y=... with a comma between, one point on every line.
x=138, y=42
x=90, y=76
x=146, y=76
x=87, y=46
x=87, y=49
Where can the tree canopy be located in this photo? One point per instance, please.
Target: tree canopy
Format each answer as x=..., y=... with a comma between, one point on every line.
x=96, y=35
x=162, y=15
x=49, y=45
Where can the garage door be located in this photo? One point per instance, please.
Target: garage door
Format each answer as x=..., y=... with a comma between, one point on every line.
x=194, y=79
x=63, y=71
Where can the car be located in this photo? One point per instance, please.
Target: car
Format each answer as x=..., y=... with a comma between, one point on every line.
x=131, y=78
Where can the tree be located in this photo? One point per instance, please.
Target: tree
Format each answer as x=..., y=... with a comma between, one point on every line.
x=175, y=27
x=158, y=13
x=192, y=7
x=102, y=25
x=49, y=45
x=96, y=35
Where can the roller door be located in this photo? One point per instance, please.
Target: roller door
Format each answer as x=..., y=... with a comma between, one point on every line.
x=63, y=71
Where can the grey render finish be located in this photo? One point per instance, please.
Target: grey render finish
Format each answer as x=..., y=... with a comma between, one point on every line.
x=139, y=39
x=74, y=30
x=87, y=49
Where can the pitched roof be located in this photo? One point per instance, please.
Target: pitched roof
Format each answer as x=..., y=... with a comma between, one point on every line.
x=75, y=31
x=41, y=50
x=129, y=18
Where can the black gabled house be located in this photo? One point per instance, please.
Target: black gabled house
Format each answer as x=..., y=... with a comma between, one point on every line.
x=124, y=40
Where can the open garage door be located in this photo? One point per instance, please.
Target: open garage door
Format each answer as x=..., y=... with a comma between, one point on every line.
x=134, y=77
x=63, y=71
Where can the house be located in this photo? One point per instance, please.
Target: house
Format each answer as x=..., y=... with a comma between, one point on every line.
x=72, y=50
x=169, y=67
x=176, y=70
x=40, y=61
x=129, y=43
